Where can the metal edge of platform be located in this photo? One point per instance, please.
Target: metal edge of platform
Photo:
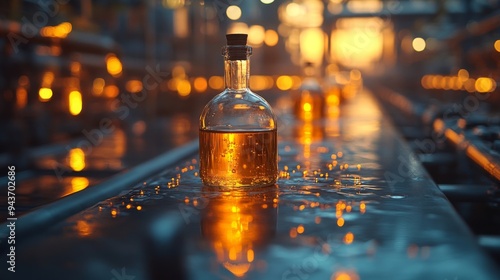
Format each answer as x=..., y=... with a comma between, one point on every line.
x=44, y=216
x=481, y=157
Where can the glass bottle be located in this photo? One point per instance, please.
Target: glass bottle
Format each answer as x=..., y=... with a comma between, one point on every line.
x=333, y=92
x=238, y=130
x=310, y=102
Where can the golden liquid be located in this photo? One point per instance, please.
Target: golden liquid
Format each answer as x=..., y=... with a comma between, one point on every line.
x=238, y=159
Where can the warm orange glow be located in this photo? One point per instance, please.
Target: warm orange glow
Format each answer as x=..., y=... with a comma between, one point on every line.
x=294, y=9
x=139, y=208
x=183, y=87
x=312, y=41
x=44, y=94
x=98, y=86
x=47, y=79
x=426, y=82
x=302, y=14
x=83, y=228
x=332, y=99
x=350, y=90
x=65, y=27
x=172, y=83
x=79, y=183
x=353, y=47
x=200, y=84
x=297, y=82
x=21, y=97
x=496, y=45
x=133, y=86
x=470, y=85
x=75, y=67
x=485, y=84
x=233, y=12
x=237, y=27
x=459, y=82
x=418, y=44
x=60, y=31
x=293, y=232
x=119, y=140
x=271, y=38
x=317, y=220
x=260, y=82
x=76, y=158
x=113, y=65
x=178, y=71
x=300, y=229
x=348, y=238
x=482, y=159
x=181, y=22
x=238, y=270
x=435, y=80
x=111, y=91
x=75, y=103
x=365, y=6
x=216, y=82
x=250, y=255
x=345, y=275
x=340, y=222
x=307, y=107
x=173, y=4
x=355, y=75
x=234, y=222
x=256, y=35
x=463, y=75
x=342, y=276
x=284, y=82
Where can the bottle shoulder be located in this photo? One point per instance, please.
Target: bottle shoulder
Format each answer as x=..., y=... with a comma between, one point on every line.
x=238, y=109
x=238, y=100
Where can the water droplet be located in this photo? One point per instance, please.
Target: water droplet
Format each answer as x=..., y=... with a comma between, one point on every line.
x=395, y=196
x=234, y=170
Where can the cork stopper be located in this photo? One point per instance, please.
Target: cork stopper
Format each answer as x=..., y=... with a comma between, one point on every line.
x=236, y=39
x=236, y=48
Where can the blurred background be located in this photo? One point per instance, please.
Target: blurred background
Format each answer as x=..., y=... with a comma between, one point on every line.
x=91, y=88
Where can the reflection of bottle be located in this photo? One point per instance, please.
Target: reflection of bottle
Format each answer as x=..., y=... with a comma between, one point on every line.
x=237, y=223
x=310, y=103
x=333, y=92
x=238, y=142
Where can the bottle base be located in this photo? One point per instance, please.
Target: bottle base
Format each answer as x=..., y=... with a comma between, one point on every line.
x=225, y=183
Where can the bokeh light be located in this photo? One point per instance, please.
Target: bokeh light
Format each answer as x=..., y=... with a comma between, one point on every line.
x=233, y=12
x=418, y=44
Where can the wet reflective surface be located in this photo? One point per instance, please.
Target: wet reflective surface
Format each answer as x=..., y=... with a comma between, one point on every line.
x=75, y=165
x=351, y=202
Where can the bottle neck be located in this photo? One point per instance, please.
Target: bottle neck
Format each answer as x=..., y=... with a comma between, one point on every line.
x=237, y=74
